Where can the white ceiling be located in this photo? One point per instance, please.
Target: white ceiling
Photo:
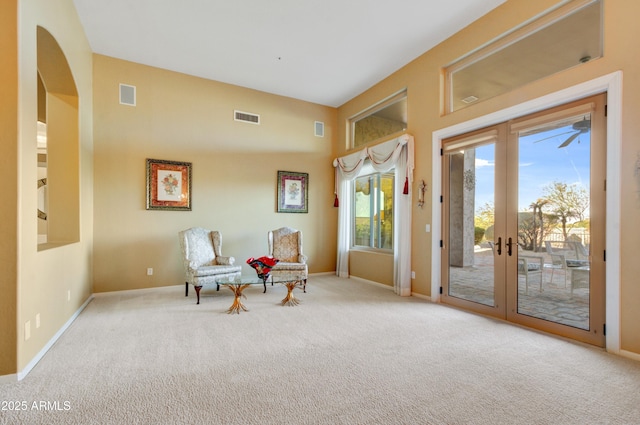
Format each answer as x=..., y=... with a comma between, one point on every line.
x=321, y=51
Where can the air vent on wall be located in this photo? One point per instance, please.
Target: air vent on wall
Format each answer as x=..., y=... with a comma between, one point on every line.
x=470, y=99
x=127, y=95
x=246, y=117
x=319, y=129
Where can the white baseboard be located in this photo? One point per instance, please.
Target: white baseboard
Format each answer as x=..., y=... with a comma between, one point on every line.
x=52, y=341
x=333, y=273
x=422, y=297
x=8, y=379
x=128, y=291
x=371, y=282
x=382, y=285
x=181, y=285
x=630, y=355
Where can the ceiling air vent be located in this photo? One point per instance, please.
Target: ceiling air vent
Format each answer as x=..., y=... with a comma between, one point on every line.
x=246, y=117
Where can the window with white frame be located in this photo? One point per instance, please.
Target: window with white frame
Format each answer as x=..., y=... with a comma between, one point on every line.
x=373, y=210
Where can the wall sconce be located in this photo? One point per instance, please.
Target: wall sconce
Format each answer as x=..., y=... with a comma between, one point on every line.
x=422, y=188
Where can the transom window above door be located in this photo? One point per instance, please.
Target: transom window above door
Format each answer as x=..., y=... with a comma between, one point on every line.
x=567, y=35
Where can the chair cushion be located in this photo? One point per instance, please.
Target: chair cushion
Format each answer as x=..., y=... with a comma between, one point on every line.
x=281, y=266
x=215, y=270
x=213, y=279
x=531, y=267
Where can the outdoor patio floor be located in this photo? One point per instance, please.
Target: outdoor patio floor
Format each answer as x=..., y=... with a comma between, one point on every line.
x=556, y=302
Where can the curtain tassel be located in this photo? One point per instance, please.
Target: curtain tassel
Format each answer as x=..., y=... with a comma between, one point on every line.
x=406, y=186
x=336, y=202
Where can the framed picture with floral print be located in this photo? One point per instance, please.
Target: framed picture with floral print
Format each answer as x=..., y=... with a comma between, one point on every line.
x=293, y=192
x=168, y=185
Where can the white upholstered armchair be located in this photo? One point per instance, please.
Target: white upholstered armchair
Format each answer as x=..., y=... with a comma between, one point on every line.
x=203, y=260
x=285, y=244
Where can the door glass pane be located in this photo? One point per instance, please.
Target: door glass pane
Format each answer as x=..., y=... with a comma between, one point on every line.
x=553, y=222
x=471, y=219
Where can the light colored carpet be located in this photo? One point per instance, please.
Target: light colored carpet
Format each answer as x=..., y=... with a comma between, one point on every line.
x=350, y=353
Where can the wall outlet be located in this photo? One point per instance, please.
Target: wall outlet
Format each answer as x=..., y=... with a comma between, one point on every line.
x=68, y=294
x=27, y=330
x=150, y=271
x=37, y=320
x=413, y=274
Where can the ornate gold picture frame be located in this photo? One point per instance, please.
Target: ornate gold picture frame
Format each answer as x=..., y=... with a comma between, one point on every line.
x=168, y=185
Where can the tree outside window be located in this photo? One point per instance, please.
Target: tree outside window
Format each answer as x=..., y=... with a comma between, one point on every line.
x=373, y=211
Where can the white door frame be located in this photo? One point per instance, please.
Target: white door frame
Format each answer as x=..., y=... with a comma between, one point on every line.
x=612, y=85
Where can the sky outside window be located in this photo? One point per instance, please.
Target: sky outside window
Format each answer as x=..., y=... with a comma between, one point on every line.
x=541, y=162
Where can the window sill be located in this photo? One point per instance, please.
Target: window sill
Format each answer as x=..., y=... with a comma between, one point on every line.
x=372, y=250
x=52, y=245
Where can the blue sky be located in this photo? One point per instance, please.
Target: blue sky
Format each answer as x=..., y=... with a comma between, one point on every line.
x=540, y=164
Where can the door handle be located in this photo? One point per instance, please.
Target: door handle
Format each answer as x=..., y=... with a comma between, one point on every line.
x=509, y=245
x=499, y=245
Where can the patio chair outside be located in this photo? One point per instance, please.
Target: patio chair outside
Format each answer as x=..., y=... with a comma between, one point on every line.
x=564, y=254
x=530, y=267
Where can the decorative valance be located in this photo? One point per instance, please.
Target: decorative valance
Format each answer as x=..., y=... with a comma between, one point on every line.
x=383, y=158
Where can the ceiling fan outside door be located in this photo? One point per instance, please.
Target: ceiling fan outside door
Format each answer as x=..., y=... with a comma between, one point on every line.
x=578, y=128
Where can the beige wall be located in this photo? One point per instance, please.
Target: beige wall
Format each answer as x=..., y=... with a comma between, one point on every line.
x=371, y=265
x=422, y=79
x=184, y=118
x=46, y=278
x=8, y=174
x=189, y=119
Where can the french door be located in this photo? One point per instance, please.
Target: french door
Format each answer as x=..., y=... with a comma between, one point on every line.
x=524, y=220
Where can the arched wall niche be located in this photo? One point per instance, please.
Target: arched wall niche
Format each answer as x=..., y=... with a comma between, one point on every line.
x=58, y=146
